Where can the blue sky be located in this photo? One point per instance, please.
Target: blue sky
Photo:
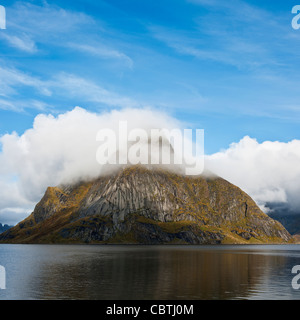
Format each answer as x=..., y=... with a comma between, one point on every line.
x=227, y=67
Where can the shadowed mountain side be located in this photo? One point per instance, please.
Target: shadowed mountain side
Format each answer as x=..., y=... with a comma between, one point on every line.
x=138, y=205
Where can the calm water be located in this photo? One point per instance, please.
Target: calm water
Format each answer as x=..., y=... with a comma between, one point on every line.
x=148, y=272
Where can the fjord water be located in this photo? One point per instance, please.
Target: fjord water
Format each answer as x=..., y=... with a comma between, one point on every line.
x=149, y=272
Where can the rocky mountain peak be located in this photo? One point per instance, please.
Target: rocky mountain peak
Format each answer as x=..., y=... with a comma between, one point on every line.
x=148, y=206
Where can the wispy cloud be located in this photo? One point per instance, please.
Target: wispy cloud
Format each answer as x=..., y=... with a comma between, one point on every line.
x=48, y=20
x=63, y=85
x=11, y=78
x=44, y=29
x=240, y=10
x=230, y=51
x=223, y=46
x=90, y=91
x=230, y=32
x=102, y=52
x=32, y=26
x=9, y=105
x=23, y=42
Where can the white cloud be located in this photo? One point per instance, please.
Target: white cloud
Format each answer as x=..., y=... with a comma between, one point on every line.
x=268, y=171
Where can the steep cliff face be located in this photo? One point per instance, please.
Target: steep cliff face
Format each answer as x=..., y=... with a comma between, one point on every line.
x=138, y=205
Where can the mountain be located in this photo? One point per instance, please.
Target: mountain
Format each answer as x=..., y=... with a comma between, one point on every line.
x=4, y=228
x=289, y=218
x=146, y=206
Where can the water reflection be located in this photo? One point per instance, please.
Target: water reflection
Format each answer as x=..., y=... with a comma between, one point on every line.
x=140, y=272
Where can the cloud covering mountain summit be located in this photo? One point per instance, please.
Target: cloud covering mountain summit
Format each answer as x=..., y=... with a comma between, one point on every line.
x=62, y=149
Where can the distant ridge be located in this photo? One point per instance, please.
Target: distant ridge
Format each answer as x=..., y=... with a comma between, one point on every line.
x=4, y=227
